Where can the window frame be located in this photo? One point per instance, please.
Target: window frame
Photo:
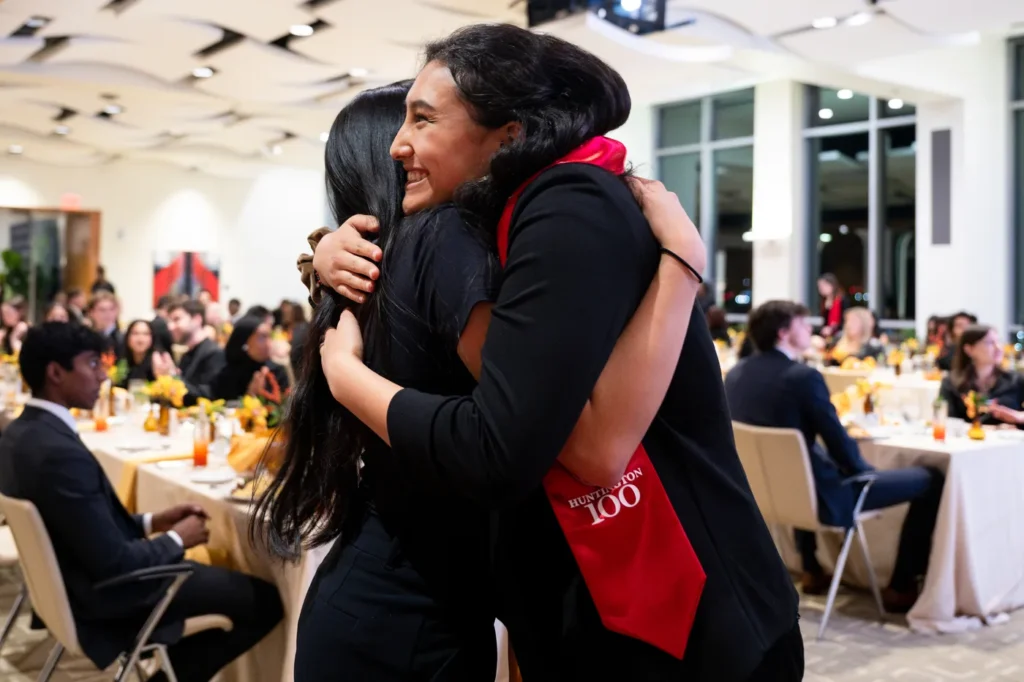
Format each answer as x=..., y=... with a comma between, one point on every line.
x=1015, y=73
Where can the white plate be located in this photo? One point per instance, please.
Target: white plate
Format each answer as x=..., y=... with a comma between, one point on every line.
x=213, y=476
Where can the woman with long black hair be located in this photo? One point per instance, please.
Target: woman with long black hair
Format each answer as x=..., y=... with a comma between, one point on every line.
x=247, y=365
x=405, y=594
x=579, y=257
x=139, y=346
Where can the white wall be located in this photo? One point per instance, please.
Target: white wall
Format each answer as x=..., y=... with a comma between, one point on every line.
x=638, y=136
x=257, y=226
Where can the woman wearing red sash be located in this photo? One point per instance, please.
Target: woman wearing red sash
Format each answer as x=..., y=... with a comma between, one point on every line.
x=578, y=258
x=405, y=592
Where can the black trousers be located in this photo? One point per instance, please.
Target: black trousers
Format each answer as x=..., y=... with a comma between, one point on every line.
x=922, y=487
x=253, y=605
x=369, y=616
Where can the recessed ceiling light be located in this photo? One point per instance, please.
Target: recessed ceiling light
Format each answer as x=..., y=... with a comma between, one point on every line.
x=824, y=22
x=15, y=149
x=37, y=22
x=301, y=30
x=358, y=72
x=630, y=5
x=825, y=113
x=202, y=72
x=62, y=130
x=859, y=19
x=845, y=94
x=896, y=103
x=112, y=109
x=324, y=136
x=276, y=150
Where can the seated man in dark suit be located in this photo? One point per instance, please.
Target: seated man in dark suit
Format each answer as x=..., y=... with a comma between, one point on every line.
x=42, y=460
x=772, y=389
x=203, y=361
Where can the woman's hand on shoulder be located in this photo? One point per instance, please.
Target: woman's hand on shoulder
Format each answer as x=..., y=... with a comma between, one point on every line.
x=669, y=222
x=344, y=259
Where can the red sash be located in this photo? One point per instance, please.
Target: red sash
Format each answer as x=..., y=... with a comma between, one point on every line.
x=633, y=553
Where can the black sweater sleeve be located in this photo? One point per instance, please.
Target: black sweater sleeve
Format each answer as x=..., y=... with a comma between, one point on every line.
x=580, y=260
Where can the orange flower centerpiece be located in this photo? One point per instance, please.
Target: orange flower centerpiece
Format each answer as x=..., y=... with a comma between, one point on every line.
x=976, y=404
x=895, y=359
x=166, y=391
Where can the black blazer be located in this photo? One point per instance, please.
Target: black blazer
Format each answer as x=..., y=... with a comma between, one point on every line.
x=769, y=389
x=94, y=537
x=580, y=260
x=1008, y=392
x=199, y=368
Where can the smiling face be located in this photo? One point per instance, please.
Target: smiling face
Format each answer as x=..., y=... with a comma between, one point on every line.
x=439, y=144
x=986, y=352
x=140, y=339
x=258, y=345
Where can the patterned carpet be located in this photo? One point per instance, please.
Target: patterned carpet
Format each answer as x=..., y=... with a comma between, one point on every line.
x=856, y=648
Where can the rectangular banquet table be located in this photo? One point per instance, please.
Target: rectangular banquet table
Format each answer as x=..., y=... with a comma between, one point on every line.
x=976, y=567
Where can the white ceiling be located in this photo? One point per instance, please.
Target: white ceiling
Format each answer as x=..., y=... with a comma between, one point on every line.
x=267, y=104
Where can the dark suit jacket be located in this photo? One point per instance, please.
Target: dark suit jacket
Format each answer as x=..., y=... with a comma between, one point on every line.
x=769, y=389
x=199, y=368
x=94, y=537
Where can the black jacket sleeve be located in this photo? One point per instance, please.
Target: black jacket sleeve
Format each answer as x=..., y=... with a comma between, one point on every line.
x=819, y=412
x=581, y=258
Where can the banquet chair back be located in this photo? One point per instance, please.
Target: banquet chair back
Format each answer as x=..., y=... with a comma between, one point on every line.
x=838, y=380
x=778, y=468
x=41, y=571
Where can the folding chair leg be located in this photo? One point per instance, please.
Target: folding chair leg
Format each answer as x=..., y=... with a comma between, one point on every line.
x=165, y=665
x=51, y=662
x=837, y=578
x=13, y=615
x=871, y=571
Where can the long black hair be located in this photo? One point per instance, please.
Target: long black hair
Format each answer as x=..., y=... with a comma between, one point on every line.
x=560, y=94
x=309, y=500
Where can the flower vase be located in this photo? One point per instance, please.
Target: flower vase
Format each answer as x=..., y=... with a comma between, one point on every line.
x=976, y=432
x=164, y=420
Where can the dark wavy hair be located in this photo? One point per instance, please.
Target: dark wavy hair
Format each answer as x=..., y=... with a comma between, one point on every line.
x=963, y=375
x=560, y=94
x=308, y=502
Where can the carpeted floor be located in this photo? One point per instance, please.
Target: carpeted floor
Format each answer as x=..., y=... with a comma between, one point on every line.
x=856, y=648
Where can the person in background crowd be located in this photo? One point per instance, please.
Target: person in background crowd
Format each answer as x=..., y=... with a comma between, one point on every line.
x=858, y=337
x=56, y=312
x=717, y=323
x=705, y=299
x=12, y=325
x=297, y=328
x=101, y=283
x=262, y=312
x=103, y=315
x=205, y=296
x=976, y=367
x=60, y=297
x=77, y=304
x=833, y=305
x=140, y=345
x=771, y=389
x=215, y=323
x=43, y=461
x=234, y=310
x=248, y=362
x=203, y=360
x=161, y=332
x=957, y=324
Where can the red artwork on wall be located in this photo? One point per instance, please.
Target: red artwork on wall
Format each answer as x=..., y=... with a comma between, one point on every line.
x=187, y=273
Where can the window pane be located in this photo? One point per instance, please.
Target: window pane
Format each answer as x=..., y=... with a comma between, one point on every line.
x=734, y=256
x=897, y=261
x=679, y=125
x=1018, y=71
x=839, y=212
x=890, y=108
x=732, y=115
x=829, y=107
x=1018, y=200
x=680, y=173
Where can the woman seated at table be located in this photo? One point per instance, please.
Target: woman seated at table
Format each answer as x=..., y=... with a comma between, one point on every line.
x=249, y=368
x=976, y=367
x=139, y=348
x=858, y=337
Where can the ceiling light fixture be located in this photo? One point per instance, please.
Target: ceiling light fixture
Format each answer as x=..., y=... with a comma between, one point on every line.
x=358, y=72
x=630, y=5
x=112, y=109
x=844, y=94
x=276, y=150
x=825, y=237
x=825, y=113
x=859, y=19
x=896, y=103
x=202, y=72
x=15, y=149
x=824, y=22
x=301, y=30
x=324, y=136
x=62, y=130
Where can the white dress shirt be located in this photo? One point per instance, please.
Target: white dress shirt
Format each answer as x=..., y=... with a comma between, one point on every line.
x=64, y=414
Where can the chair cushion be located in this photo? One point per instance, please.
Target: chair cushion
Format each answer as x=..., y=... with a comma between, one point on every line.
x=211, y=622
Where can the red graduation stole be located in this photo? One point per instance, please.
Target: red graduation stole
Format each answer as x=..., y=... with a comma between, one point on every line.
x=642, y=573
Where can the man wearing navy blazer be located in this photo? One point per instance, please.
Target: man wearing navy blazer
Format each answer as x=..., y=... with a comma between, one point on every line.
x=43, y=460
x=773, y=389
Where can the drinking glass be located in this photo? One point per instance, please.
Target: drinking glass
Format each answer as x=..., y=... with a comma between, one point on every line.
x=940, y=416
